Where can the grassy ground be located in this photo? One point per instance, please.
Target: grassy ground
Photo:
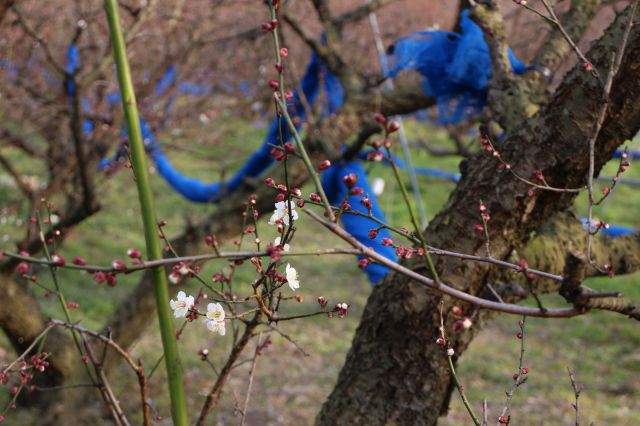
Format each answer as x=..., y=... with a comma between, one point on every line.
x=290, y=385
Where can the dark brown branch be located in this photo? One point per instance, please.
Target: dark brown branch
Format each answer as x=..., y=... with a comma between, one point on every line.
x=34, y=35
x=214, y=394
x=359, y=12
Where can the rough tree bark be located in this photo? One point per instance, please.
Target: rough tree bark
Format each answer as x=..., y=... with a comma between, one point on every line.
x=394, y=372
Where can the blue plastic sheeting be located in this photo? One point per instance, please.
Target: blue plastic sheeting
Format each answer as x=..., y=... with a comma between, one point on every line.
x=315, y=76
x=71, y=68
x=456, y=67
x=167, y=81
x=630, y=154
x=359, y=226
x=612, y=230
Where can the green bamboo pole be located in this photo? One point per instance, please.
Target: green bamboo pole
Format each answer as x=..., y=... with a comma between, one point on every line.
x=138, y=160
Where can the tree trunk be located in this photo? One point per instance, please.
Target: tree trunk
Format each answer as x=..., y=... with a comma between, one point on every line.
x=22, y=321
x=394, y=372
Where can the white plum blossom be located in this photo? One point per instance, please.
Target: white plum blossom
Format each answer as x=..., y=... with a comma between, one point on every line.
x=281, y=213
x=466, y=322
x=175, y=277
x=184, y=270
x=182, y=305
x=292, y=277
x=285, y=247
x=377, y=186
x=215, y=318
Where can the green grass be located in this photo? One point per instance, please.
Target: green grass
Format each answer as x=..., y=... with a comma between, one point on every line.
x=289, y=387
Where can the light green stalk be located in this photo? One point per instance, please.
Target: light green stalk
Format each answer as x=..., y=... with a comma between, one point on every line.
x=138, y=161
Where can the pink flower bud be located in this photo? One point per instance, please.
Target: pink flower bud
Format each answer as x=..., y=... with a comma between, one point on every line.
x=22, y=268
x=315, y=197
x=387, y=241
x=300, y=203
x=393, y=126
x=99, y=277
x=322, y=301
x=455, y=310
x=362, y=263
x=270, y=181
x=440, y=341
x=118, y=265
x=380, y=118
x=284, y=52
x=373, y=233
x=357, y=191
x=274, y=84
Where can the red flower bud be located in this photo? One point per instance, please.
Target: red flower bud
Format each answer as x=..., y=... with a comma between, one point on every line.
x=289, y=147
x=118, y=265
x=375, y=156
x=350, y=180
x=366, y=202
x=274, y=84
x=324, y=165
x=134, y=254
x=57, y=260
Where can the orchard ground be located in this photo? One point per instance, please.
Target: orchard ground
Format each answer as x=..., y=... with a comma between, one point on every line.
x=290, y=385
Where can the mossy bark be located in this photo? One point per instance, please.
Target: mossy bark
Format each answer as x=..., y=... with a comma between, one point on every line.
x=394, y=373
